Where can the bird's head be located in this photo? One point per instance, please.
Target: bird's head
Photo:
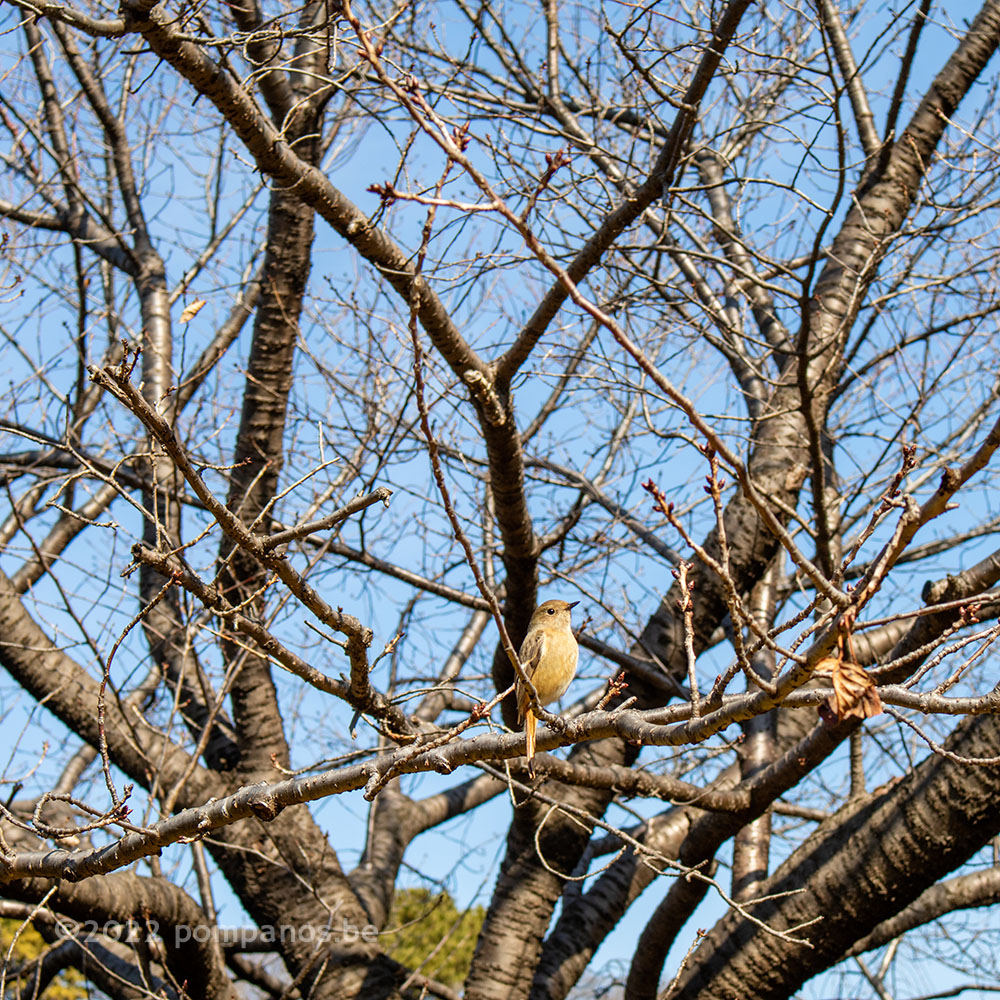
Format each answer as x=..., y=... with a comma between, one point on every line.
x=552, y=614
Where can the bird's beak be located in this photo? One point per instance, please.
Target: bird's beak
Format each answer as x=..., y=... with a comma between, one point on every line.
x=573, y=605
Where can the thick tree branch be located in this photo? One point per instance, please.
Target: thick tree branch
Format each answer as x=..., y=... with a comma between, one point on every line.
x=191, y=946
x=980, y=888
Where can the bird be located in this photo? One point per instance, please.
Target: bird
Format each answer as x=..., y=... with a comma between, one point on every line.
x=548, y=655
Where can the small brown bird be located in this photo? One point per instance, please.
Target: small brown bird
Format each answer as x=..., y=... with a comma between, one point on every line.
x=548, y=654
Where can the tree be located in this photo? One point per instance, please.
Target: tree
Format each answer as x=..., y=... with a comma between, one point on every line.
x=431, y=935
x=338, y=336
x=26, y=945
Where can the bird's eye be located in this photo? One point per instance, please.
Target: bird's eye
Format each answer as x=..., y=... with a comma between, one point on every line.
x=551, y=611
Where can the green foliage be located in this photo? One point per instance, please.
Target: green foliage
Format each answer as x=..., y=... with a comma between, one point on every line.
x=422, y=924
x=30, y=944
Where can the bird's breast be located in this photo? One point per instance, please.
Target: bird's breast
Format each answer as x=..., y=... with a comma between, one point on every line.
x=556, y=666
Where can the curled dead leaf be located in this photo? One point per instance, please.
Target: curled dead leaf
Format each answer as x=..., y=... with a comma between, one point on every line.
x=191, y=310
x=854, y=693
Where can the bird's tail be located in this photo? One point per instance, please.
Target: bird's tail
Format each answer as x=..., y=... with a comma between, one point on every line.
x=529, y=739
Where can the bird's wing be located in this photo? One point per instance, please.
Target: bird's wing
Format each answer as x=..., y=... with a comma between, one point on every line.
x=530, y=655
x=531, y=651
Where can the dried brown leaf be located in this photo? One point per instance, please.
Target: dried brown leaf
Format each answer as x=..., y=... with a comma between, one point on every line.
x=854, y=693
x=191, y=310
